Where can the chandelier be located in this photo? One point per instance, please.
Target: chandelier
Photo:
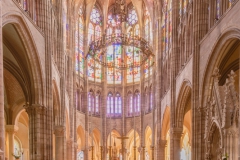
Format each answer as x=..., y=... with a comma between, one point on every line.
x=98, y=48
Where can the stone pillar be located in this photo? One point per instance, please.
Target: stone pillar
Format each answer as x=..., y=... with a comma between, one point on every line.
x=11, y=130
x=36, y=114
x=59, y=132
x=152, y=153
x=161, y=149
x=175, y=138
x=143, y=153
x=2, y=129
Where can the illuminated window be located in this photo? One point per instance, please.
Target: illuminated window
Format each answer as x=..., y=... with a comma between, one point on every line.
x=110, y=108
x=94, y=33
x=118, y=104
x=80, y=155
x=97, y=103
x=166, y=26
x=137, y=103
x=79, y=33
x=130, y=104
x=90, y=102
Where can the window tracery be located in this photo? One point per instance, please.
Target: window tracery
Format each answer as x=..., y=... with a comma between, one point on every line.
x=166, y=27
x=114, y=105
x=79, y=51
x=94, y=33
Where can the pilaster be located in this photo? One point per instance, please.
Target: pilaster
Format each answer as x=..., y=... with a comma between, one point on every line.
x=59, y=132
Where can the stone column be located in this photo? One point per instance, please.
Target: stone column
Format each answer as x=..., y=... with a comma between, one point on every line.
x=143, y=153
x=152, y=153
x=175, y=138
x=36, y=114
x=2, y=129
x=161, y=149
x=59, y=132
x=11, y=130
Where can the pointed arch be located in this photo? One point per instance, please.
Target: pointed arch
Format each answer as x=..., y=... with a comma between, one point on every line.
x=183, y=97
x=36, y=89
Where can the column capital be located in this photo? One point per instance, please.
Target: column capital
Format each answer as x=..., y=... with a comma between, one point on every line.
x=162, y=143
x=59, y=131
x=11, y=128
x=176, y=132
x=35, y=108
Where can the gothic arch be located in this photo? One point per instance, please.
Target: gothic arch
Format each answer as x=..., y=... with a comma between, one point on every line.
x=80, y=138
x=36, y=73
x=183, y=98
x=225, y=40
x=56, y=104
x=165, y=123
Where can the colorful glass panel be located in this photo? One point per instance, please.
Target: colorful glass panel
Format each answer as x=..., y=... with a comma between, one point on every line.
x=80, y=155
x=118, y=104
x=110, y=108
x=90, y=33
x=76, y=50
x=132, y=17
x=80, y=51
x=166, y=27
x=133, y=74
x=218, y=9
x=95, y=16
x=90, y=69
x=97, y=104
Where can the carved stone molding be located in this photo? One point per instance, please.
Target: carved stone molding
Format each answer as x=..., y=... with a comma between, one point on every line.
x=59, y=131
x=35, y=109
x=11, y=128
x=176, y=133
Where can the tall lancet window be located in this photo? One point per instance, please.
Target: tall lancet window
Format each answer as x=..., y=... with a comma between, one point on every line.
x=130, y=104
x=79, y=34
x=133, y=53
x=149, y=37
x=94, y=33
x=91, y=102
x=118, y=104
x=166, y=27
x=183, y=7
x=150, y=98
x=97, y=103
x=110, y=108
x=137, y=103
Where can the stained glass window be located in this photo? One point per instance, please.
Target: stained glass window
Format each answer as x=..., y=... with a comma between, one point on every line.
x=80, y=155
x=132, y=17
x=90, y=102
x=25, y=5
x=118, y=104
x=81, y=53
x=130, y=104
x=133, y=57
x=151, y=99
x=166, y=27
x=94, y=33
x=17, y=148
x=79, y=44
x=137, y=102
x=114, y=56
x=218, y=9
x=230, y=3
x=97, y=103
x=110, y=108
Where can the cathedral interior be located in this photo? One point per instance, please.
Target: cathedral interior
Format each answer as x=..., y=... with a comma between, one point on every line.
x=119, y=79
